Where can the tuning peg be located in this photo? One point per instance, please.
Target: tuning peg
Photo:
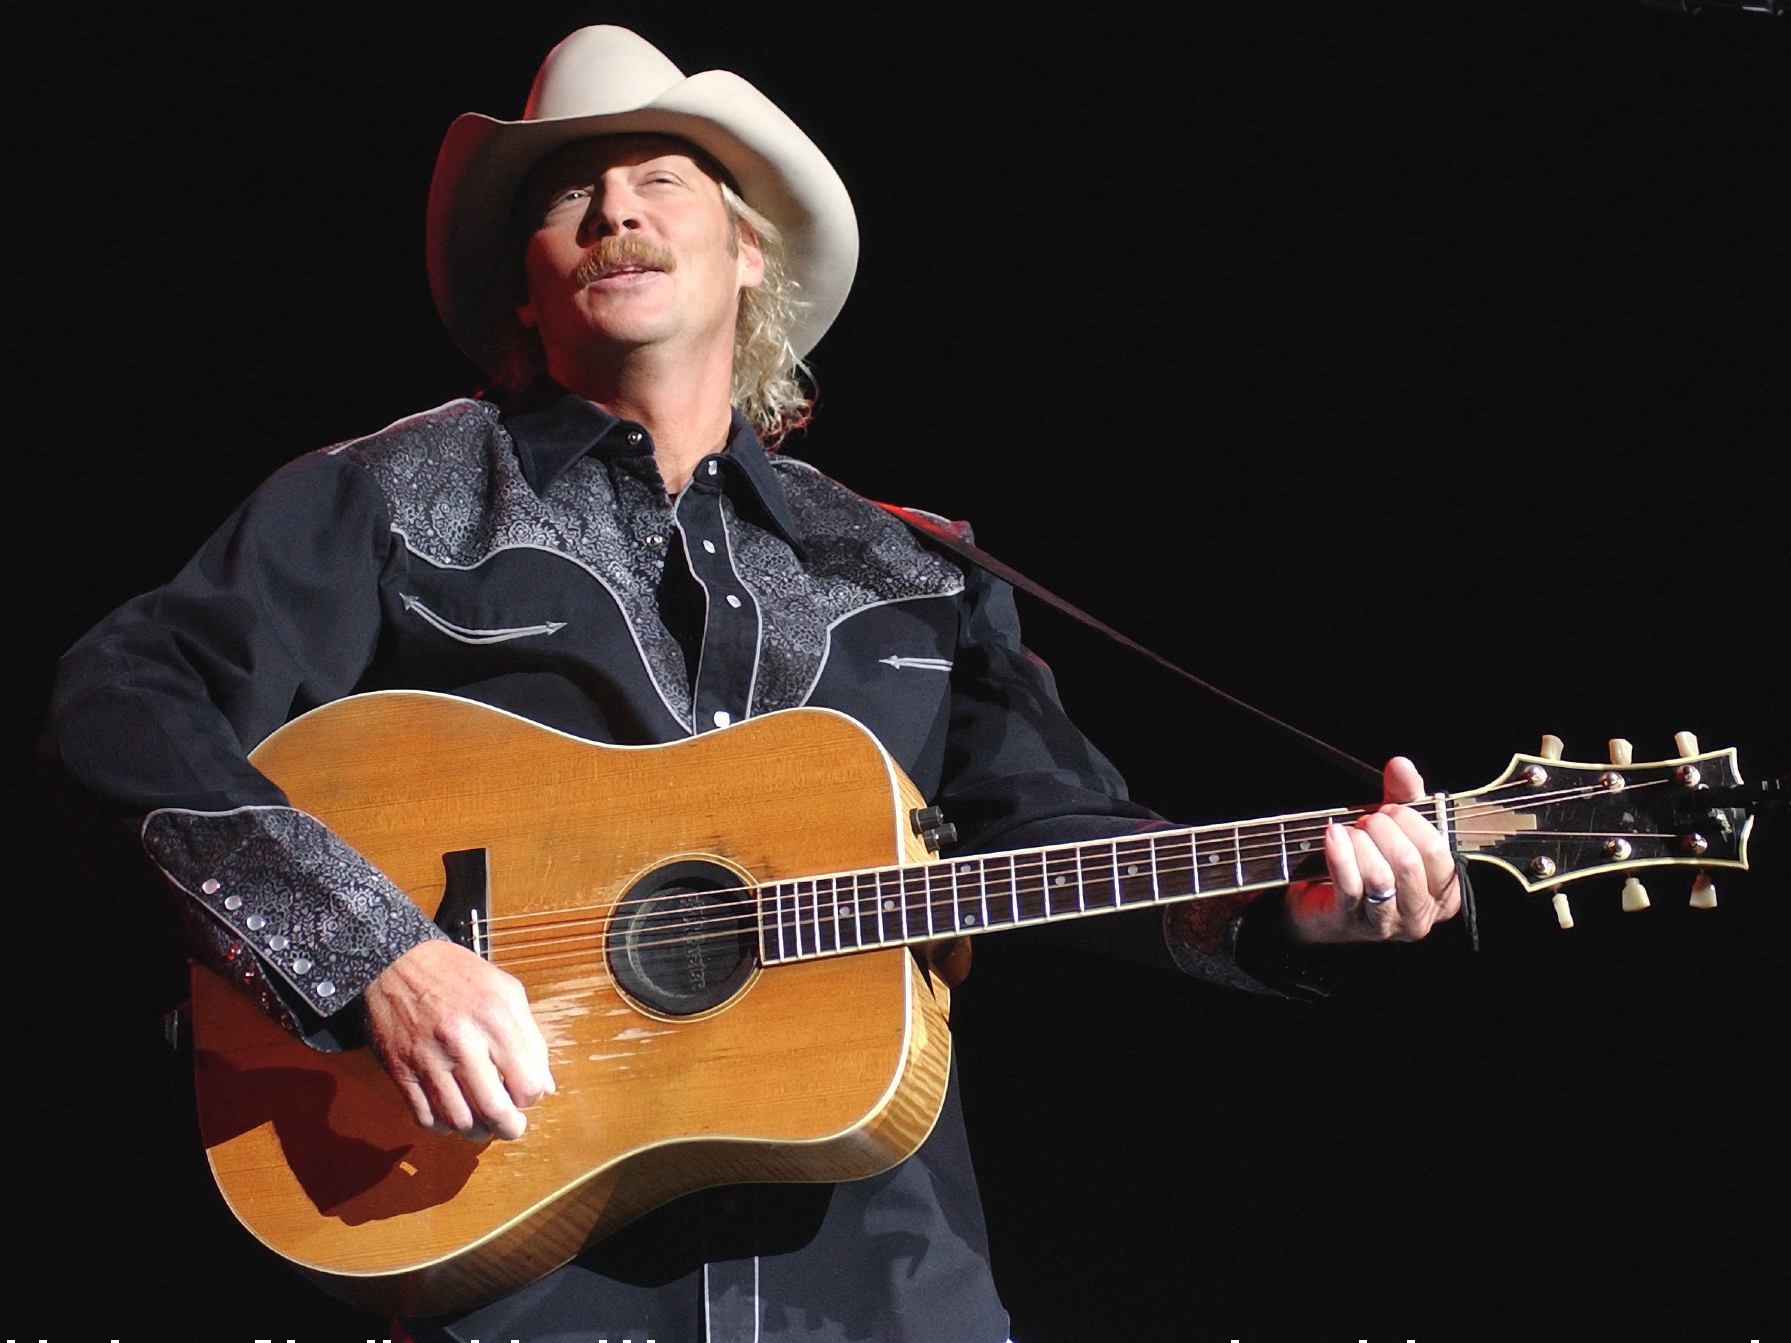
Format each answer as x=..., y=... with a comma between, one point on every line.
x=1551, y=747
x=1703, y=894
x=1635, y=896
x=1621, y=751
x=1563, y=910
x=1687, y=742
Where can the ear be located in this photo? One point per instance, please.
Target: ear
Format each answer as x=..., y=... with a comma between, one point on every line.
x=525, y=313
x=749, y=259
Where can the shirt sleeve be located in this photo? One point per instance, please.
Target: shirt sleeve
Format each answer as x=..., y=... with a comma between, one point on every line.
x=1018, y=773
x=156, y=709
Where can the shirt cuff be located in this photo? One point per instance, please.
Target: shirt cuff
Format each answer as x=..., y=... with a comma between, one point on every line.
x=317, y=915
x=1202, y=939
x=1243, y=942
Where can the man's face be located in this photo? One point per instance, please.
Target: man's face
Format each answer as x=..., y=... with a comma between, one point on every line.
x=632, y=245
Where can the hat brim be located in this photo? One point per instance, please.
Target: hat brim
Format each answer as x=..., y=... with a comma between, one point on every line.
x=778, y=170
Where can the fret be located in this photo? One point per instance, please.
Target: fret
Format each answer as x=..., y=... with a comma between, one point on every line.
x=961, y=921
x=823, y=941
x=1281, y=844
x=982, y=887
x=1094, y=873
x=1061, y=874
x=1237, y=854
x=852, y=906
x=778, y=911
x=1308, y=839
x=833, y=888
x=926, y=885
x=1265, y=864
x=1030, y=900
x=1134, y=872
x=789, y=920
x=1013, y=885
x=864, y=903
x=1182, y=869
x=1211, y=874
x=800, y=948
x=1001, y=897
x=890, y=914
x=1113, y=859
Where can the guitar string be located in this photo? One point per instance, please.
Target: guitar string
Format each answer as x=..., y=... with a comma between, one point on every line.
x=1251, y=850
x=1031, y=869
x=729, y=919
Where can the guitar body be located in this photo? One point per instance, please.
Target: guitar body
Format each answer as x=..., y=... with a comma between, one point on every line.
x=823, y=1070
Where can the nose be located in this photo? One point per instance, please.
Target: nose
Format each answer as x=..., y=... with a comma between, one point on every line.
x=614, y=209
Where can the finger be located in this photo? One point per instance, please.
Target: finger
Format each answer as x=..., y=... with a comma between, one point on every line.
x=420, y=1108
x=1340, y=861
x=448, y=1104
x=517, y=1050
x=1381, y=908
x=1401, y=782
x=483, y=1088
x=533, y=1045
x=1417, y=907
x=1441, y=875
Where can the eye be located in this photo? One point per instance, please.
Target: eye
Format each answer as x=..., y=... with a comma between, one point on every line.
x=560, y=202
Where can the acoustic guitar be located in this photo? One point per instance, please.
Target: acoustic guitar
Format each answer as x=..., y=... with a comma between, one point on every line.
x=716, y=939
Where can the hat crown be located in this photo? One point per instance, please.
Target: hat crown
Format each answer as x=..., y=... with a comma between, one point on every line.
x=599, y=70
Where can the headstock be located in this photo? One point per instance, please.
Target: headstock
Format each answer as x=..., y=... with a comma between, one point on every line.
x=1549, y=821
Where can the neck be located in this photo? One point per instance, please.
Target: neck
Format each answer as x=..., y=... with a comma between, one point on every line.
x=683, y=403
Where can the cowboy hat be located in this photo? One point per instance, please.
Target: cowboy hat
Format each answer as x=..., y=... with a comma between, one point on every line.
x=609, y=81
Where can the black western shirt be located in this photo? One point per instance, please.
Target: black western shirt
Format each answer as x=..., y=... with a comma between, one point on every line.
x=535, y=562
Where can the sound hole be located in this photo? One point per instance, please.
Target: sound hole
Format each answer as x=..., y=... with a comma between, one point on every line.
x=684, y=939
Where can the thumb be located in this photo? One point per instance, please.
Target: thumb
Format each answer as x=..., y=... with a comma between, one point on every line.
x=1401, y=782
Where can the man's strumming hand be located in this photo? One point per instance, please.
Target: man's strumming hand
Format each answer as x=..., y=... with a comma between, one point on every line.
x=456, y=1034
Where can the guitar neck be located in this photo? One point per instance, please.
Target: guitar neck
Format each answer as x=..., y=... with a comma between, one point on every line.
x=844, y=912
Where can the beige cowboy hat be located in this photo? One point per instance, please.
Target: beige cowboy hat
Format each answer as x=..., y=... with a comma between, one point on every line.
x=609, y=81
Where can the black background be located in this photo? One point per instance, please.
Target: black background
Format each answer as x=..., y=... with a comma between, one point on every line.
x=1416, y=371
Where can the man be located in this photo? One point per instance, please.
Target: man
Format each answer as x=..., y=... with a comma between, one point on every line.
x=607, y=548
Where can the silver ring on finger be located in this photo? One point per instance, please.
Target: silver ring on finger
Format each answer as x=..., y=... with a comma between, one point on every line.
x=1378, y=897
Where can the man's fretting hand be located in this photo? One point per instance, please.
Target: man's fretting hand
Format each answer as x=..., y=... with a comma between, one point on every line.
x=456, y=1034
x=1391, y=874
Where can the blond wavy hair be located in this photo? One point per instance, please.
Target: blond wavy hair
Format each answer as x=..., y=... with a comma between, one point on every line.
x=772, y=387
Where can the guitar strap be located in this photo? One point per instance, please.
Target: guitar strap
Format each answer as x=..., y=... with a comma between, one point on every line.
x=939, y=533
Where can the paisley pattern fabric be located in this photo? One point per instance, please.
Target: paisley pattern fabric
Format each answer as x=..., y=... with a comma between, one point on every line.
x=858, y=557
x=325, y=924
x=457, y=496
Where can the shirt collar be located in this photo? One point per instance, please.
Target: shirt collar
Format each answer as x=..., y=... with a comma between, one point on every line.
x=551, y=436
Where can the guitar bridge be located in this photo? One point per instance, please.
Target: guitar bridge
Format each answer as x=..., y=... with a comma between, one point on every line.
x=465, y=910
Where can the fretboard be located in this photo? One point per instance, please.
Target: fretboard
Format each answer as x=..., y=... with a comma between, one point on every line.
x=892, y=906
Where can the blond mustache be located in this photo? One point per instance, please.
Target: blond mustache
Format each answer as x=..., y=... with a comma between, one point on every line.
x=622, y=249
